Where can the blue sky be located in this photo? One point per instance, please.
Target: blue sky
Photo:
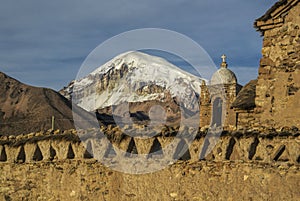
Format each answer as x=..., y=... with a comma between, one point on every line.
x=44, y=43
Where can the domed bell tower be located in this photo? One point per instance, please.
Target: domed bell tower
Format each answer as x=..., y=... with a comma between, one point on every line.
x=216, y=99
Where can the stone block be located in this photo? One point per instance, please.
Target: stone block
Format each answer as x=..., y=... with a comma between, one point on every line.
x=265, y=61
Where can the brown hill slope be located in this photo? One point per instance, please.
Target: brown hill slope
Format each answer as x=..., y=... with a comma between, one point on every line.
x=25, y=109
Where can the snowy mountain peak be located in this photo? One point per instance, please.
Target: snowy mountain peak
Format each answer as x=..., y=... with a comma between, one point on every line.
x=134, y=77
x=135, y=59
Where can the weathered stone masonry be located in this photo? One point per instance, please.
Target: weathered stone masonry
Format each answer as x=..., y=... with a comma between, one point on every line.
x=278, y=88
x=276, y=93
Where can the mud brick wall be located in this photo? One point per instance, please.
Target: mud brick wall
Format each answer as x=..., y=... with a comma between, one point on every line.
x=232, y=147
x=58, y=167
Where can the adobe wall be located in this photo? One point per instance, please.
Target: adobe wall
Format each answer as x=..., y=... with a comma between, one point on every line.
x=278, y=87
x=233, y=146
x=57, y=166
x=90, y=181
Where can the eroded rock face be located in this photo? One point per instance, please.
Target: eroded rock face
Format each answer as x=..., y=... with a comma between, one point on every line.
x=277, y=93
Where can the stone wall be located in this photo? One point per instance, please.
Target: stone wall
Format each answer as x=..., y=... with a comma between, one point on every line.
x=205, y=106
x=245, y=120
x=278, y=88
x=209, y=94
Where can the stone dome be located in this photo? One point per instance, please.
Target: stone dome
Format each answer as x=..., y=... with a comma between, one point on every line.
x=223, y=75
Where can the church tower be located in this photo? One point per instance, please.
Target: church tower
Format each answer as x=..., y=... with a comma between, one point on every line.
x=216, y=98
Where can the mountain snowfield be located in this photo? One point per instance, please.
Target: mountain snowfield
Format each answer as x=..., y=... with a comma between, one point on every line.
x=134, y=77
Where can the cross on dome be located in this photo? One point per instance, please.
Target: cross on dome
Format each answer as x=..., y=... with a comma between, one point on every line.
x=224, y=63
x=224, y=58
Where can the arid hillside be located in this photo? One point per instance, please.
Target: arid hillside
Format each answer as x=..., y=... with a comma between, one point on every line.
x=25, y=109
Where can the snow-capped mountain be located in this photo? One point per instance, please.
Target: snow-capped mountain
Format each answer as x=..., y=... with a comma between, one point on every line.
x=134, y=77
